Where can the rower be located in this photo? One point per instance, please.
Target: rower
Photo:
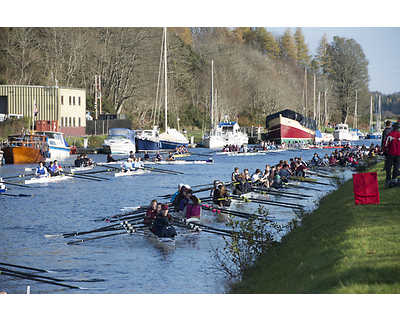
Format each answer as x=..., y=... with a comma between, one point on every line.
x=59, y=169
x=52, y=169
x=127, y=165
x=163, y=224
x=41, y=171
x=139, y=163
x=151, y=213
x=158, y=156
x=170, y=157
x=110, y=158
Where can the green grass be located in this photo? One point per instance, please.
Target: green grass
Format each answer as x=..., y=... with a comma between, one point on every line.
x=340, y=248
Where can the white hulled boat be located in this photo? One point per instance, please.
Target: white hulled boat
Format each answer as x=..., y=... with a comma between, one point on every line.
x=226, y=133
x=58, y=147
x=119, y=140
x=342, y=133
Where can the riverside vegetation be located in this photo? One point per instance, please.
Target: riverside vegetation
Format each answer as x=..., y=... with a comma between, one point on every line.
x=340, y=247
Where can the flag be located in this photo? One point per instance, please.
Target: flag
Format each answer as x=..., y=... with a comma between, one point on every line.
x=35, y=110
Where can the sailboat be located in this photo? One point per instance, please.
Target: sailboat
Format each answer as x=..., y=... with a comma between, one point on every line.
x=226, y=133
x=171, y=138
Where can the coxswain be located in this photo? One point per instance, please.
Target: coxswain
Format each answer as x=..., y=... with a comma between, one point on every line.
x=163, y=224
x=41, y=171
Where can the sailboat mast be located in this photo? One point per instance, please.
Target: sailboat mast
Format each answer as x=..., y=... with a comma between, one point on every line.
x=211, y=99
x=165, y=77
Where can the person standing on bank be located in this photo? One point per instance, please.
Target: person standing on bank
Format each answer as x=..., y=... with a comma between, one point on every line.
x=385, y=132
x=392, y=148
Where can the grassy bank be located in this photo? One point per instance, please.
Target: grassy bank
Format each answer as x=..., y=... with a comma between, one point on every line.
x=340, y=248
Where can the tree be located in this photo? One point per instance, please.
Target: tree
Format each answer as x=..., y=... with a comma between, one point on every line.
x=303, y=54
x=349, y=71
x=321, y=60
x=288, y=46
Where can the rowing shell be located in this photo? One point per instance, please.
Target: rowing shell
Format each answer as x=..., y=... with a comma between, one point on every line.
x=168, y=243
x=208, y=161
x=78, y=169
x=47, y=179
x=130, y=173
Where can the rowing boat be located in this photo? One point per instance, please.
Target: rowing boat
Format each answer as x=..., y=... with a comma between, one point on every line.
x=130, y=173
x=208, y=161
x=47, y=179
x=79, y=169
x=168, y=243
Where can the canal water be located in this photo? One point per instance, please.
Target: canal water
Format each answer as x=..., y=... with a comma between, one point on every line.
x=124, y=264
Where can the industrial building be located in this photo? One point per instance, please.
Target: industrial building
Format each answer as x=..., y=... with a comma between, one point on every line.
x=56, y=108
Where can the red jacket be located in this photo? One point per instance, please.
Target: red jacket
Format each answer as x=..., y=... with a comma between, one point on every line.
x=392, y=143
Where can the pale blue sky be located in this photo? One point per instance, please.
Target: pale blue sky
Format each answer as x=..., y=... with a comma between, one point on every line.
x=381, y=47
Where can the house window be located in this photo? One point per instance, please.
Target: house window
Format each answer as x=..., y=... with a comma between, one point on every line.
x=69, y=121
x=62, y=100
x=79, y=101
x=66, y=121
x=73, y=121
x=73, y=100
x=79, y=121
x=62, y=122
x=69, y=100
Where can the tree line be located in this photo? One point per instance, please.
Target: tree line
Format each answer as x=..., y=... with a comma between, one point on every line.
x=256, y=73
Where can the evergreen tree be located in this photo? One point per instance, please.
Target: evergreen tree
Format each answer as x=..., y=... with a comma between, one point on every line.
x=303, y=53
x=288, y=46
x=267, y=42
x=322, y=58
x=349, y=71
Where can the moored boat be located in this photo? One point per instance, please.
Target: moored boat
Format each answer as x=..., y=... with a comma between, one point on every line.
x=147, y=140
x=119, y=141
x=226, y=133
x=288, y=126
x=25, y=149
x=208, y=161
x=342, y=133
x=58, y=147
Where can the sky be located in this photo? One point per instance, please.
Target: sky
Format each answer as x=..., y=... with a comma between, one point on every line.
x=381, y=46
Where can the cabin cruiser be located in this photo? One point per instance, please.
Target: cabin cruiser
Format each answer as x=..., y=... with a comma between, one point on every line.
x=58, y=147
x=120, y=141
x=342, y=133
x=226, y=133
x=171, y=139
x=147, y=140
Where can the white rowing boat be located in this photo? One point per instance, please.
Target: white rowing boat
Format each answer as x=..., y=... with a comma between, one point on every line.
x=130, y=173
x=208, y=161
x=47, y=179
x=79, y=169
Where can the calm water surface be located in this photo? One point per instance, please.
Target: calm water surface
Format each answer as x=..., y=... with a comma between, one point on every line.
x=122, y=264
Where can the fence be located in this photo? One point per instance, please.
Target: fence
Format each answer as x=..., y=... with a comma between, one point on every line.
x=100, y=127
